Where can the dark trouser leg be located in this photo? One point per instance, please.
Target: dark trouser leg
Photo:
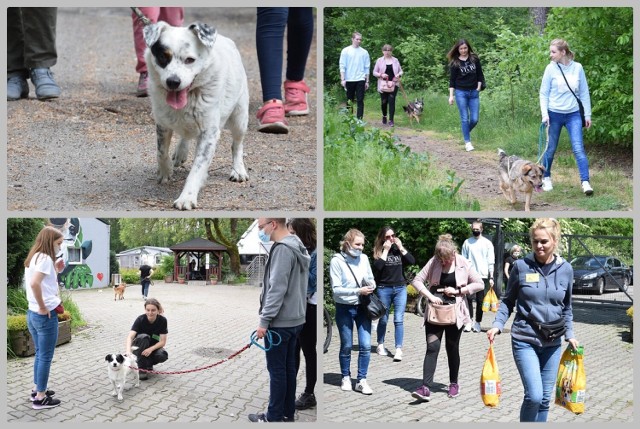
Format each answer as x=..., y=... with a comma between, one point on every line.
x=433, y=334
x=270, y=27
x=360, y=88
x=39, y=24
x=351, y=94
x=281, y=364
x=452, y=345
x=470, y=299
x=479, y=299
x=307, y=344
x=299, y=37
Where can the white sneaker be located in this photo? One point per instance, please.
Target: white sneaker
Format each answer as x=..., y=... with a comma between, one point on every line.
x=477, y=328
x=468, y=146
x=546, y=184
x=586, y=188
x=346, y=384
x=381, y=350
x=363, y=387
x=398, y=356
x=467, y=327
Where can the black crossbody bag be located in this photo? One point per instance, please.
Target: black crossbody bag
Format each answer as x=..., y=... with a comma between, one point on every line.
x=580, y=106
x=371, y=303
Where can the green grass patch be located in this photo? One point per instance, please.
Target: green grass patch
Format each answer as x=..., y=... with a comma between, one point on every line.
x=365, y=169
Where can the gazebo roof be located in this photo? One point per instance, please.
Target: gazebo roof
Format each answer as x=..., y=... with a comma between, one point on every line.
x=198, y=244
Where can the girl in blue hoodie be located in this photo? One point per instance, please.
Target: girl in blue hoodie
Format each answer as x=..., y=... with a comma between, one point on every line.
x=539, y=288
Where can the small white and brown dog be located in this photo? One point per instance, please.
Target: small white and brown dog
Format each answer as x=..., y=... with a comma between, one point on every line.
x=119, y=369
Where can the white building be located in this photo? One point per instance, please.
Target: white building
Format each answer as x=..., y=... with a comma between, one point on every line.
x=144, y=255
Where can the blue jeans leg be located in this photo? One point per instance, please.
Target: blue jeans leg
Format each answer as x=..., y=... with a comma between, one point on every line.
x=468, y=102
x=44, y=331
x=145, y=287
x=538, y=368
x=271, y=23
x=346, y=315
x=281, y=364
x=398, y=296
x=573, y=123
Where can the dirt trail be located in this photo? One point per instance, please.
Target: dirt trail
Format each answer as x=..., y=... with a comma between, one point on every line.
x=94, y=147
x=478, y=169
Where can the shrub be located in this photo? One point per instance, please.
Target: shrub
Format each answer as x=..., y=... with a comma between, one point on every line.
x=130, y=275
x=18, y=322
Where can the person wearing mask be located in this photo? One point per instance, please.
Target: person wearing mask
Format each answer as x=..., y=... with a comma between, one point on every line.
x=479, y=251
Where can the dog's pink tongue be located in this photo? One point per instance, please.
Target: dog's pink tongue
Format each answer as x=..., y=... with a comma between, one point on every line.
x=177, y=99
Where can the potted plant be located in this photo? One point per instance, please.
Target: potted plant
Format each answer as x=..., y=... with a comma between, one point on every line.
x=181, y=279
x=20, y=339
x=168, y=277
x=213, y=279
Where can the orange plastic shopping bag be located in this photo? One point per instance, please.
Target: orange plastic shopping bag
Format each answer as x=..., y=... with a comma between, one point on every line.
x=571, y=383
x=490, y=301
x=490, y=388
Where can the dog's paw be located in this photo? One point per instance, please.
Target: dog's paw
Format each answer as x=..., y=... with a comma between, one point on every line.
x=163, y=176
x=238, y=175
x=120, y=398
x=114, y=393
x=185, y=203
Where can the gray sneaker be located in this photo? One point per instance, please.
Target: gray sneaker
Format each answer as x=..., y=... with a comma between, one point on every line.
x=46, y=87
x=17, y=86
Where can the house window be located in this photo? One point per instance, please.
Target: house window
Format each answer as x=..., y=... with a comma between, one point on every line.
x=158, y=259
x=136, y=261
x=75, y=255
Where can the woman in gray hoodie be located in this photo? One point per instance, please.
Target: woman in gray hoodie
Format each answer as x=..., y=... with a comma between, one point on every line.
x=539, y=287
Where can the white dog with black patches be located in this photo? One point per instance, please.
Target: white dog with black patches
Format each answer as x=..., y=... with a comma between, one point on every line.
x=197, y=85
x=119, y=369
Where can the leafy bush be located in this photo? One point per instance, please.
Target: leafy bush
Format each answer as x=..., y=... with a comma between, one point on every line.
x=130, y=275
x=166, y=265
x=18, y=322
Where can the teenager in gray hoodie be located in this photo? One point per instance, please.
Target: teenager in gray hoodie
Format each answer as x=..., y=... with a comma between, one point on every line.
x=539, y=287
x=283, y=304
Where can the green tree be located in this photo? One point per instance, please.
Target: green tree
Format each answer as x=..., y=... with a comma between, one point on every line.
x=21, y=233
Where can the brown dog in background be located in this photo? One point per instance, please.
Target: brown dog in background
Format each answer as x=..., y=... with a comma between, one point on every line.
x=517, y=174
x=119, y=291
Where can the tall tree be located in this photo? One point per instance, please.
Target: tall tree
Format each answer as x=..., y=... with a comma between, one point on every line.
x=539, y=15
x=21, y=232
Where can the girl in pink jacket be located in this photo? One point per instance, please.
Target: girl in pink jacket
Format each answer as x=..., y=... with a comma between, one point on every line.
x=388, y=72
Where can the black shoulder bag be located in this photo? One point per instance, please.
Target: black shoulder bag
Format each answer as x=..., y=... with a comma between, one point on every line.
x=371, y=304
x=580, y=106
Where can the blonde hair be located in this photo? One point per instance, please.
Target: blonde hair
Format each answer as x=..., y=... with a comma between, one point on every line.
x=514, y=248
x=446, y=248
x=44, y=244
x=553, y=228
x=349, y=237
x=562, y=45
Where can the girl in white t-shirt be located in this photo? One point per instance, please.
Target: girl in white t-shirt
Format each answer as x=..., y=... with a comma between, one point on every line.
x=41, y=283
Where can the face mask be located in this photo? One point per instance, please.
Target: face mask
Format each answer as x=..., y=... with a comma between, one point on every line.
x=476, y=233
x=355, y=252
x=264, y=237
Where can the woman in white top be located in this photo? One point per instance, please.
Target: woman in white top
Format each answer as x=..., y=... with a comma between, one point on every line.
x=351, y=277
x=41, y=280
x=563, y=83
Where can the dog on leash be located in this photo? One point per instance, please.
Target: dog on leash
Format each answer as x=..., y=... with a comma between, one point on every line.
x=517, y=174
x=414, y=110
x=118, y=291
x=197, y=85
x=119, y=369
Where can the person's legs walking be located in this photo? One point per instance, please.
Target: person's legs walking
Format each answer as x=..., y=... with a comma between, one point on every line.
x=39, y=26
x=384, y=104
x=385, y=294
x=433, y=336
x=462, y=101
x=549, y=363
x=479, y=298
x=556, y=122
x=474, y=109
x=574, y=128
x=363, y=324
x=360, y=88
x=289, y=409
x=350, y=88
x=399, y=307
x=345, y=315
x=392, y=105
x=299, y=37
x=278, y=360
x=452, y=345
x=17, y=73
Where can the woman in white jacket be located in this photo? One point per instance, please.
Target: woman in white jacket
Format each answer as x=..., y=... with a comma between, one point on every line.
x=351, y=277
x=563, y=83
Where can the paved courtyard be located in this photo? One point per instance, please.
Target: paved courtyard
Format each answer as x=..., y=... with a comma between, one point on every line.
x=206, y=325
x=604, y=332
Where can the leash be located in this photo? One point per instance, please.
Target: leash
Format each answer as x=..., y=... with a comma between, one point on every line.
x=403, y=93
x=544, y=131
x=253, y=340
x=145, y=21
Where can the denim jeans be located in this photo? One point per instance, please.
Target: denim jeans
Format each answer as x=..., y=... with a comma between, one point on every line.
x=346, y=315
x=573, y=123
x=145, y=287
x=468, y=102
x=44, y=331
x=538, y=367
x=271, y=23
x=398, y=296
x=281, y=364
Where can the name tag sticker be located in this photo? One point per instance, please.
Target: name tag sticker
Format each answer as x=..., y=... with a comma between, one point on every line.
x=532, y=278
x=156, y=337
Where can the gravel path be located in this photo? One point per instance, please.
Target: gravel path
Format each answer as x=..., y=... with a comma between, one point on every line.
x=94, y=148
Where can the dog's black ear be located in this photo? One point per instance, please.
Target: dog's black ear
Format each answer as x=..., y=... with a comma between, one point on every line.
x=205, y=33
x=120, y=358
x=152, y=32
x=108, y=358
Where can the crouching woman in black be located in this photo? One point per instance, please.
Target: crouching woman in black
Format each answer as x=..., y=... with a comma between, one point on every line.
x=149, y=334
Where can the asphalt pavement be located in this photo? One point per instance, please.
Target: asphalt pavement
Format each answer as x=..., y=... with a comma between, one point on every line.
x=206, y=325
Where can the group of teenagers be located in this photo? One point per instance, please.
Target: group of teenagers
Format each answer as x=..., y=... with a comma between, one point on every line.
x=539, y=290
x=563, y=91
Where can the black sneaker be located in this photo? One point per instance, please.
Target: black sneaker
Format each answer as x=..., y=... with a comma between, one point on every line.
x=47, y=393
x=46, y=402
x=305, y=401
x=258, y=418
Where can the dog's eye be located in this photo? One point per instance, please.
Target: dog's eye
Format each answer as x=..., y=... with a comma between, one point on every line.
x=189, y=60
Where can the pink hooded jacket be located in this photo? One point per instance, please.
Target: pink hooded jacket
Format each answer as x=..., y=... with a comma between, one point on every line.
x=467, y=279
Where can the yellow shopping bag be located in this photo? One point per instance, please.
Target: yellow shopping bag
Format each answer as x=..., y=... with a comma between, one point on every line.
x=571, y=383
x=490, y=301
x=490, y=388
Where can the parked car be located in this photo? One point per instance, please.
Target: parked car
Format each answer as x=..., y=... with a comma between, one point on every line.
x=597, y=274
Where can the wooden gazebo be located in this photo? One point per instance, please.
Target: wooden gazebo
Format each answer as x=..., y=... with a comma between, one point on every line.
x=198, y=248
